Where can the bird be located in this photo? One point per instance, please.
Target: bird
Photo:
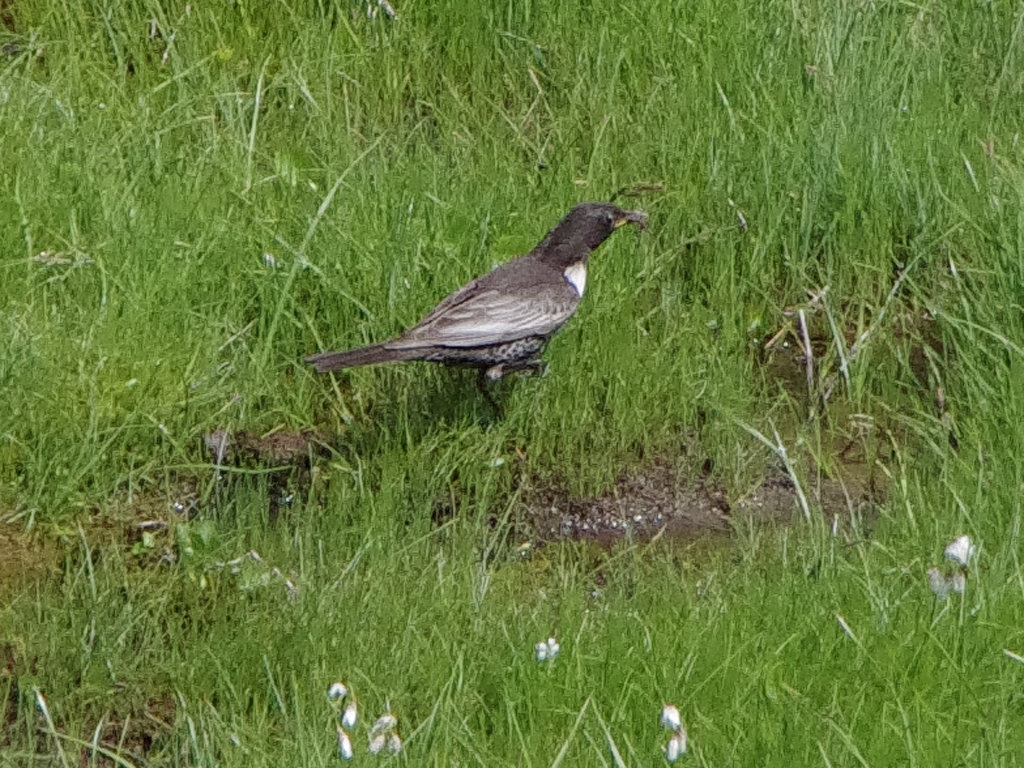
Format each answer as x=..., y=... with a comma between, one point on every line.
x=501, y=322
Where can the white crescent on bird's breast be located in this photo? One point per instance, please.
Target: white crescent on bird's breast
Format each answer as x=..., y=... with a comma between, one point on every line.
x=576, y=276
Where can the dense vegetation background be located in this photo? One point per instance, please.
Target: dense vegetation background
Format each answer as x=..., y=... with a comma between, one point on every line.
x=193, y=196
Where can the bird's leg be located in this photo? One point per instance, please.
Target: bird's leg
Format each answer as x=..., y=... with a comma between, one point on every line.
x=535, y=368
x=485, y=375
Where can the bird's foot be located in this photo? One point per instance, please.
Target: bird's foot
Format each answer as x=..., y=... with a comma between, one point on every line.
x=497, y=372
x=536, y=368
x=494, y=373
x=486, y=375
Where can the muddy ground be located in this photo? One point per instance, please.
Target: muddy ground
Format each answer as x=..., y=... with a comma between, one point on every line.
x=660, y=502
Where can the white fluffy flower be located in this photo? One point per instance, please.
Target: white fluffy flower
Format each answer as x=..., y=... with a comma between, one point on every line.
x=377, y=743
x=350, y=716
x=670, y=717
x=337, y=691
x=961, y=551
x=676, y=746
x=344, y=745
x=385, y=723
x=938, y=584
x=547, y=650
x=395, y=744
x=958, y=582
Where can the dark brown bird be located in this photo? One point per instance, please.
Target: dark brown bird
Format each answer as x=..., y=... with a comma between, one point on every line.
x=501, y=322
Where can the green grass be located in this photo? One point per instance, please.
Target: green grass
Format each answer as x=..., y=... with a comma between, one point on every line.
x=383, y=164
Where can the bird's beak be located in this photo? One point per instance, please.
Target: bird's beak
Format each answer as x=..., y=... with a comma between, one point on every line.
x=631, y=217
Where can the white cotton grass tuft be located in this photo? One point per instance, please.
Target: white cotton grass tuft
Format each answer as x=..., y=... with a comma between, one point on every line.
x=938, y=584
x=384, y=734
x=344, y=744
x=961, y=551
x=395, y=744
x=547, y=650
x=337, y=691
x=350, y=716
x=676, y=746
x=670, y=717
x=385, y=723
x=377, y=743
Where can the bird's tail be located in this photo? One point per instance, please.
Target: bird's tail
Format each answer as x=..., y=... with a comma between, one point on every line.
x=352, y=358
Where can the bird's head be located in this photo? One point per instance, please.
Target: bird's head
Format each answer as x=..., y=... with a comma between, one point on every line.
x=584, y=228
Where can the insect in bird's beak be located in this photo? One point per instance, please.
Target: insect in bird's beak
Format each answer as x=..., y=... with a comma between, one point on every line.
x=631, y=217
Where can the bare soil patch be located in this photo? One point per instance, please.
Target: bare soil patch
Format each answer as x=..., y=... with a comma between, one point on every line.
x=640, y=506
x=25, y=557
x=289, y=447
x=660, y=502
x=286, y=456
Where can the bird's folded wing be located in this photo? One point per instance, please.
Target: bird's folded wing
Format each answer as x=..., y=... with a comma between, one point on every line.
x=477, y=318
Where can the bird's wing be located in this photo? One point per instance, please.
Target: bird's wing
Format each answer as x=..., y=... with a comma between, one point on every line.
x=476, y=316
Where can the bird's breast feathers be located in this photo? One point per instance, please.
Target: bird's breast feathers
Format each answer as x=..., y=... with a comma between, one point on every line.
x=576, y=276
